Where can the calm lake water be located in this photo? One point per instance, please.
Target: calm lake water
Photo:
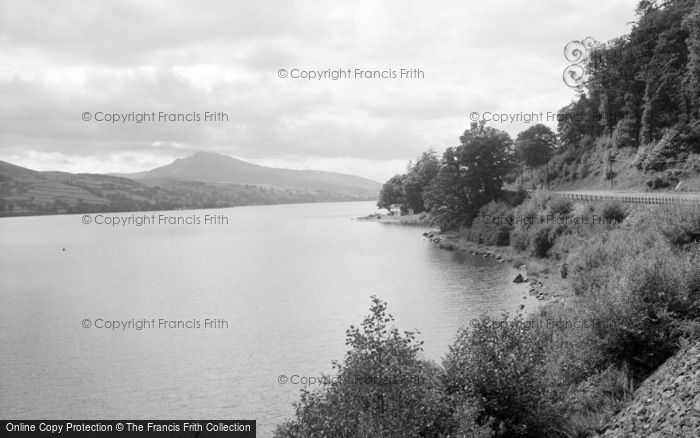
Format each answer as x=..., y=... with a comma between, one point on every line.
x=288, y=279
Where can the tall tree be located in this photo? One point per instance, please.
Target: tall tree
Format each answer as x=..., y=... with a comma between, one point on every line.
x=472, y=174
x=391, y=193
x=418, y=177
x=534, y=146
x=581, y=118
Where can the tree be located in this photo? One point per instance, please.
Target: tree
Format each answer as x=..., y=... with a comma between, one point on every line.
x=418, y=178
x=382, y=389
x=535, y=145
x=471, y=175
x=447, y=196
x=391, y=193
x=583, y=120
x=691, y=23
x=647, y=82
x=487, y=156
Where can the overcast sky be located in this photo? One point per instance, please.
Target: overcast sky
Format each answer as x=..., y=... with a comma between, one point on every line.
x=60, y=59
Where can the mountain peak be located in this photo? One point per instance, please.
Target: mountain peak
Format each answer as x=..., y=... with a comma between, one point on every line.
x=213, y=167
x=207, y=154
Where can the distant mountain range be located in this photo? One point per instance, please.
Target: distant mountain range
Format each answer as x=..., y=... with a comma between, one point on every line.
x=203, y=180
x=217, y=168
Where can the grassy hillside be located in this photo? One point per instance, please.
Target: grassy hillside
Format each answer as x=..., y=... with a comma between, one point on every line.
x=217, y=168
x=26, y=192
x=587, y=166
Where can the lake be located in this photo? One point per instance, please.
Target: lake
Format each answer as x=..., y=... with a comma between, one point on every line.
x=288, y=280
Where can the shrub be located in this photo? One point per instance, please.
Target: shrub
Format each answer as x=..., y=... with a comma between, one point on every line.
x=572, y=355
x=624, y=134
x=662, y=182
x=643, y=286
x=542, y=240
x=641, y=158
x=560, y=206
x=675, y=143
x=382, y=389
x=515, y=198
x=613, y=212
x=520, y=239
x=498, y=366
x=655, y=301
x=494, y=225
x=680, y=225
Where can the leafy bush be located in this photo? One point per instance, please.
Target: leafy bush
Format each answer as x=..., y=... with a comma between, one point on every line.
x=381, y=389
x=560, y=206
x=641, y=158
x=498, y=366
x=680, y=225
x=520, y=239
x=613, y=212
x=676, y=143
x=515, y=198
x=598, y=260
x=542, y=240
x=492, y=225
x=643, y=286
x=638, y=291
x=662, y=182
x=656, y=300
x=624, y=134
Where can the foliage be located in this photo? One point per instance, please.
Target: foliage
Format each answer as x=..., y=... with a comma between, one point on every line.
x=382, y=388
x=661, y=182
x=582, y=121
x=498, y=366
x=417, y=178
x=391, y=193
x=644, y=89
x=560, y=206
x=535, y=145
x=542, y=240
x=679, y=225
x=643, y=286
x=637, y=287
x=493, y=226
x=613, y=211
x=471, y=175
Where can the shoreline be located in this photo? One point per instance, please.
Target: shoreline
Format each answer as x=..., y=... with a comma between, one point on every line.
x=542, y=275
x=545, y=282
x=452, y=241
x=420, y=220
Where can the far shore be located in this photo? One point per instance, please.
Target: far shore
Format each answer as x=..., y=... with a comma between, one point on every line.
x=420, y=219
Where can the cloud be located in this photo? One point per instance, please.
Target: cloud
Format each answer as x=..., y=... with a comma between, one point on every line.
x=60, y=59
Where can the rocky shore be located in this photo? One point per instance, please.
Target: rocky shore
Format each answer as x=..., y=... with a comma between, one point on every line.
x=667, y=404
x=542, y=286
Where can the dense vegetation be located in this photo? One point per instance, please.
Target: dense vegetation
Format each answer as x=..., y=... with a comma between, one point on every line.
x=640, y=105
x=55, y=193
x=642, y=98
x=562, y=371
x=454, y=187
x=566, y=369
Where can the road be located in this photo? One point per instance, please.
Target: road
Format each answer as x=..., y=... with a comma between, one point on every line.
x=631, y=197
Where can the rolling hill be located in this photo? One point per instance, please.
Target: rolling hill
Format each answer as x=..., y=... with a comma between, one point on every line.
x=203, y=180
x=217, y=168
